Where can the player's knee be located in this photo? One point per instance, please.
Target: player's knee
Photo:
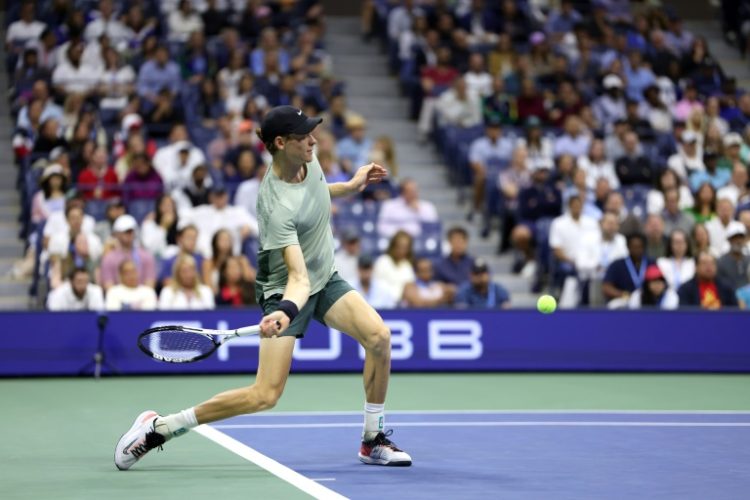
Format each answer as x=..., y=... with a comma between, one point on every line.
x=379, y=342
x=265, y=397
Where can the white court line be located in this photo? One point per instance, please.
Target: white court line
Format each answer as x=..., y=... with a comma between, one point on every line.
x=281, y=471
x=498, y=412
x=490, y=424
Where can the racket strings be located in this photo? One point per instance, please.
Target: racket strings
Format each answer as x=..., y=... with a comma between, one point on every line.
x=178, y=344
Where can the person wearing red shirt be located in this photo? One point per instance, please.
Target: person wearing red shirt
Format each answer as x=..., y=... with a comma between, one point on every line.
x=705, y=290
x=98, y=181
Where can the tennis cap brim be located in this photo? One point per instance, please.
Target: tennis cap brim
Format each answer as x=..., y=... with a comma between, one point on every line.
x=286, y=120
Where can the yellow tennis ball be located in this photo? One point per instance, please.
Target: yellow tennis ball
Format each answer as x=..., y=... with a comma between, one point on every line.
x=546, y=304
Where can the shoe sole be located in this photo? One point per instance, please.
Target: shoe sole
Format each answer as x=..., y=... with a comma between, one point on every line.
x=369, y=461
x=138, y=421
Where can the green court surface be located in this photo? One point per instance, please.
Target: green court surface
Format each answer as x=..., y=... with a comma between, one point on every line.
x=59, y=434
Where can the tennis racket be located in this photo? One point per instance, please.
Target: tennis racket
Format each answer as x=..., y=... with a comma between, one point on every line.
x=181, y=344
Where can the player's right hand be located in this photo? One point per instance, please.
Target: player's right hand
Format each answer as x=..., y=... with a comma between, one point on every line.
x=274, y=324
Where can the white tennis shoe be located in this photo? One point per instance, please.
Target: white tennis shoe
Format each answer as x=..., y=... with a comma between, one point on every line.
x=382, y=451
x=139, y=440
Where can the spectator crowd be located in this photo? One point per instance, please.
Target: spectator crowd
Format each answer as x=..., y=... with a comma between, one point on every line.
x=602, y=136
x=139, y=163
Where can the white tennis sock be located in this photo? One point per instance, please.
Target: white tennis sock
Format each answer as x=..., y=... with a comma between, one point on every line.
x=374, y=420
x=176, y=424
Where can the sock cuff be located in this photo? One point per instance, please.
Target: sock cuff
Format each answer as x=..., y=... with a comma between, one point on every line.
x=374, y=408
x=189, y=416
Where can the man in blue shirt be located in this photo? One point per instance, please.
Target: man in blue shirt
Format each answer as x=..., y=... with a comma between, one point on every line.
x=480, y=292
x=626, y=275
x=488, y=152
x=717, y=177
x=157, y=74
x=354, y=149
x=455, y=267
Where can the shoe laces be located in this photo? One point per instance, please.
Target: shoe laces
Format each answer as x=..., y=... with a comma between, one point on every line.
x=152, y=440
x=382, y=440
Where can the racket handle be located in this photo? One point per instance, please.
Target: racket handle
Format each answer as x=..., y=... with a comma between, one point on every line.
x=248, y=330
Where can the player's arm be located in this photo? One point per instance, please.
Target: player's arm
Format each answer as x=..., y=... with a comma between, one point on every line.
x=295, y=295
x=366, y=175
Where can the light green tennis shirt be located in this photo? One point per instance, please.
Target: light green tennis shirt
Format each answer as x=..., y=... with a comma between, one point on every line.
x=294, y=214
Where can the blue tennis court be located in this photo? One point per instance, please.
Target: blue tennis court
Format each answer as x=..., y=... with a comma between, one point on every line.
x=508, y=454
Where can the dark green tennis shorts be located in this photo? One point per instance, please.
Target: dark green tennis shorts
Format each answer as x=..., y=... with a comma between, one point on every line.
x=316, y=307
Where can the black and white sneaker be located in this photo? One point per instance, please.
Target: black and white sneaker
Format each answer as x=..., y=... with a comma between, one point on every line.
x=382, y=451
x=139, y=440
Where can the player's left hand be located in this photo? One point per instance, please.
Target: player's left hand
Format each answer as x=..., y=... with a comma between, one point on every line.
x=368, y=174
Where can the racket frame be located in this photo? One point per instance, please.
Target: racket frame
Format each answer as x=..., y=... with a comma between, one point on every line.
x=223, y=335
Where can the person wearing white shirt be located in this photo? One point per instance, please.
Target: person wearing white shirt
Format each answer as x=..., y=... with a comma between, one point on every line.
x=347, y=257
x=176, y=161
x=598, y=251
x=57, y=222
x=76, y=294
x=478, y=80
x=183, y=21
x=107, y=24
x=74, y=76
x=598, y=166
x=459, y=106
x=128, y=294
x=678, y=266
x=159, y=232
x=220, y=215
x=736, y=190
x=668, y=179
x=185, y=291
x=718, y=227
x=689, y=156
x=393, y=270
x=26, y=28
x=400, y=20
x=566, y=239
x=406, y=212
x=247, y=192
x=374, y=292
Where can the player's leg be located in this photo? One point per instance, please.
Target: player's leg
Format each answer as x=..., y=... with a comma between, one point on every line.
x=480, y=176
x=151, y=430
x=275, y=359
x=351, y=314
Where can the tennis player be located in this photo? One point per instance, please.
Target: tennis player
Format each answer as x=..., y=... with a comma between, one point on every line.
x=296, y=282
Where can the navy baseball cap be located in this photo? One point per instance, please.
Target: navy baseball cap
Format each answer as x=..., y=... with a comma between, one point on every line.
x=286, y=120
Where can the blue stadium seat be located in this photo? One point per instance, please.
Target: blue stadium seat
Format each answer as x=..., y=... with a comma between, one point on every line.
x=97, y=209
x=636, y=199
x=428, y=243
x=140, y=208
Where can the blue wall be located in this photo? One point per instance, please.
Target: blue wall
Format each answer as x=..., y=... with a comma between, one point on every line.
x=62, y=343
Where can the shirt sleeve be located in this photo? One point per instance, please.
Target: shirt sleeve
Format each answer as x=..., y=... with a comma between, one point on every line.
x=610, y=276
x=108, y=270
x=165, y=298
x=502, y=296
x=96, y=302
x=280, y=232
x=462, y=296
x=113, y=302
x=475, y=152
x=555, y=238
x=149, y=267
